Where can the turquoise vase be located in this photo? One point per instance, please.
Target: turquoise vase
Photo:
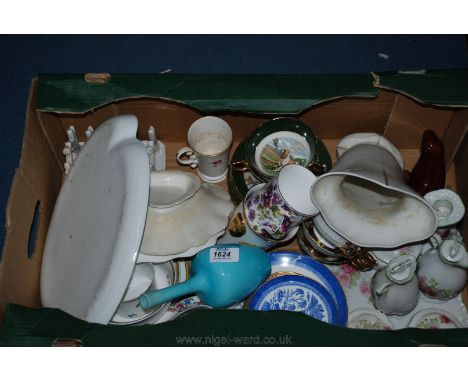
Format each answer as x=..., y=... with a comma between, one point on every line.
x=221, y=275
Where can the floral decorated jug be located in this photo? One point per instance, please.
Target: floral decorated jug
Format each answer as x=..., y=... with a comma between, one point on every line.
x=395, y=288
x=442, y=271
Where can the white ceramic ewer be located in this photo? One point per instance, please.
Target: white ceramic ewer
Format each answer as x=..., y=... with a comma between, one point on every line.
x=442, y=271
x=395, y=288
x=365, y=199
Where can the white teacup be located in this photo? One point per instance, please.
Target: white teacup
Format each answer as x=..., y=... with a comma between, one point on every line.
x=210, y=139
x=142, y=278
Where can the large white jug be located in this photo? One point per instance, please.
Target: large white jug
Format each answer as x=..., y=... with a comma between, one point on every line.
x=365, y=199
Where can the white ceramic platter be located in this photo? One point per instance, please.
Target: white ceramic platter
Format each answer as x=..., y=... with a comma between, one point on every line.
x=143, y=258
x=97, y=224
x=356, y=286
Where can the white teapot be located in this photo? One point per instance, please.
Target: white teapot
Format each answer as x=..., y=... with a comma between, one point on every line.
x=442, y=271
x=395, y=287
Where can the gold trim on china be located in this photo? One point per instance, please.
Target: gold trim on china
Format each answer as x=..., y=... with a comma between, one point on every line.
x=237, y=225
x=312, y=252
x=357, y=257
x=188, y=268
x=239, y=166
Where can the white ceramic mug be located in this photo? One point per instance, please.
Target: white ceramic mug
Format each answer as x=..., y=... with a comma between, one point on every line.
x=209, y=139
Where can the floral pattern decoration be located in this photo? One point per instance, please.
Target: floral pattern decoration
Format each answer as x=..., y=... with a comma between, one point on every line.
x=269, y=215
x=435, y=322
x=296, y=300
x=430, y=287
x=350, y=278
x=371, y=325
x=184, y=304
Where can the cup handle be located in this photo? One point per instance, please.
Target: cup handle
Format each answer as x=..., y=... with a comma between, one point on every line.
x=187, y=152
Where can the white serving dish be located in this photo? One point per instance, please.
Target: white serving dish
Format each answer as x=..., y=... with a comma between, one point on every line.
x=186, y=215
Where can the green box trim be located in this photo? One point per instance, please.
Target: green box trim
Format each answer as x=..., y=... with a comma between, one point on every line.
x=278, y=94
x=40, y=327
x=270, y=94
x=438, y=87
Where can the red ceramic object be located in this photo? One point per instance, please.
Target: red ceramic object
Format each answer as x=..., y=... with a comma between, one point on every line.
x=429, y=172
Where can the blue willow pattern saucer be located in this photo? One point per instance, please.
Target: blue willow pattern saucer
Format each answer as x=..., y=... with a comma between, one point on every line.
x=305, y=266
x=297, y=294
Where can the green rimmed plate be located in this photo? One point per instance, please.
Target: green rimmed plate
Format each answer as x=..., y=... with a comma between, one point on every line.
x=279, y=142
x=239, y=183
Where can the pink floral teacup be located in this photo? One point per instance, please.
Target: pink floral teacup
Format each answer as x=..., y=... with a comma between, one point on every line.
x=281, y=204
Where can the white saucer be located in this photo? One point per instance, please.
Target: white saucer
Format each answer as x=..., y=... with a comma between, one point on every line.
x=447, y=205
x=434, y=319
x=364, y=318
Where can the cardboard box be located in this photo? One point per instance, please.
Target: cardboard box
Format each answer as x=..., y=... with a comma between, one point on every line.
x=399, y=106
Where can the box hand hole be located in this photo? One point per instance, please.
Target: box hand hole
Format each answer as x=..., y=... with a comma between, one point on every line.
x=34, y=230
x=97, y=78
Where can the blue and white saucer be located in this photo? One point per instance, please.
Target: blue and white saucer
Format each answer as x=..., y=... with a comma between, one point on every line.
x=295, y=293
x=305, y=266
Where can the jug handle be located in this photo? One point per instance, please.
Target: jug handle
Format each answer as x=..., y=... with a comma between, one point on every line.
x=156, y=297
x=435, y=240
x=382, y=289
